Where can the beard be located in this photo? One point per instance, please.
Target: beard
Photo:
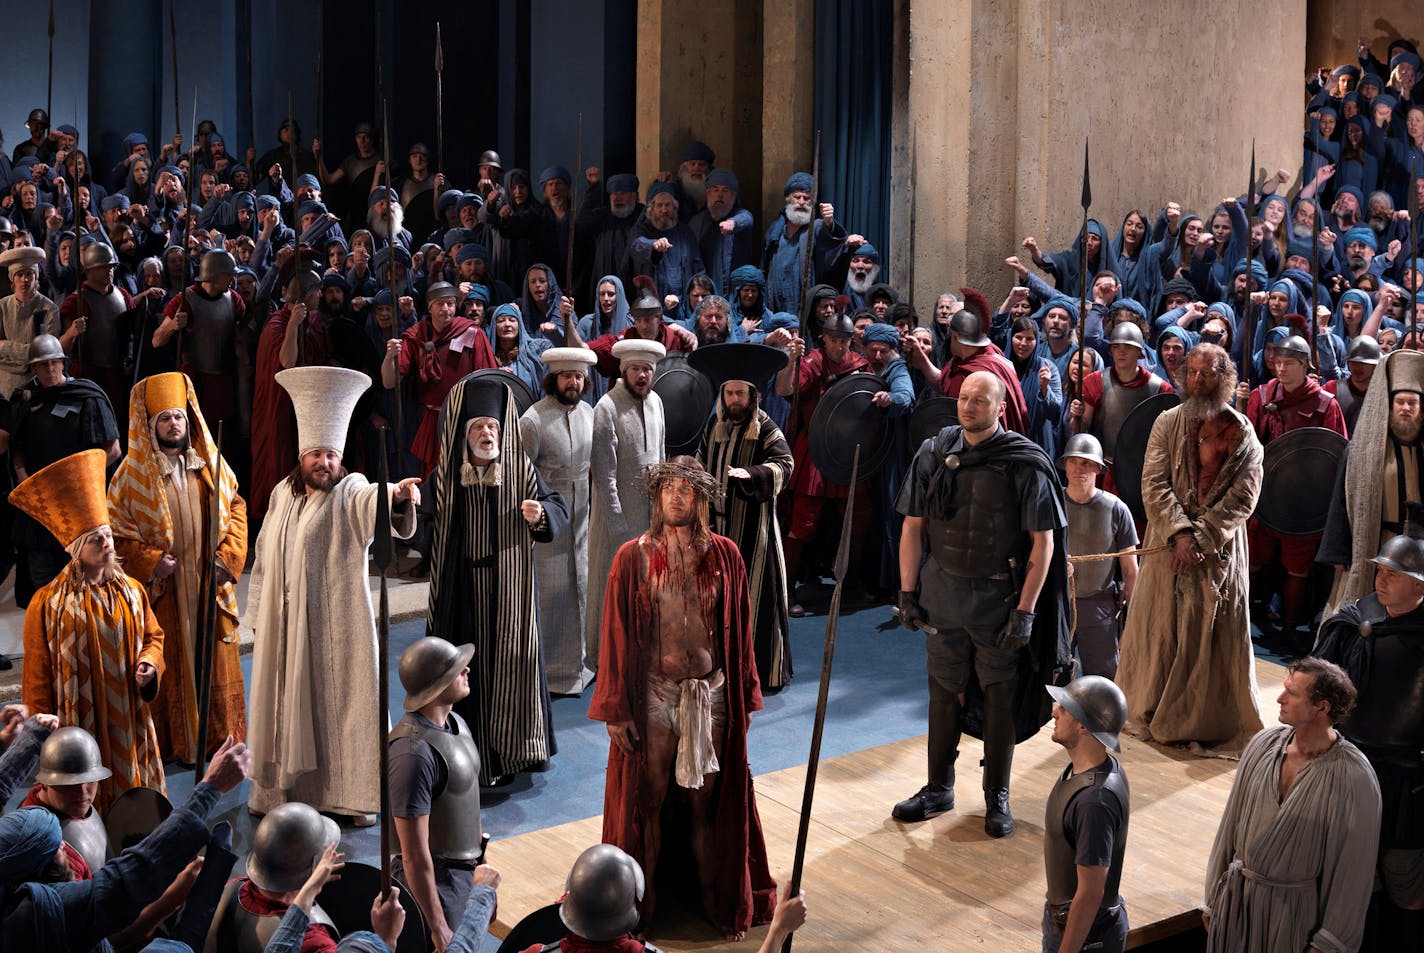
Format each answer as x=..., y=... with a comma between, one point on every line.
x=322, y=479
x=331, y=310
x=693, y=186
x=860, y=283
x=181, y=444
x=706, y=336
x=622, y=210
x=800, y=217
x=1302, y=231
x=686, y=518
x=377, y=223
x=1379, y=223
x=737, y=415
x=568, y=396
x=639, y=391
x=1405, y=431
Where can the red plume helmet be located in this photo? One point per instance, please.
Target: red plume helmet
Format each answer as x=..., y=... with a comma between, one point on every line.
x=976, y=304
x=842, y=302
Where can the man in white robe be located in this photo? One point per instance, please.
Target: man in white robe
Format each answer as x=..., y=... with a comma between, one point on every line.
x=315, y=731
x=628, y=434
x=557, y=433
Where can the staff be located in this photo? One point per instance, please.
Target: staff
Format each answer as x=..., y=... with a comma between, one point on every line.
x=173, y=44
x=832, y=618
x=1248, y=325
x=383, y=552
x=569, y=212
x=203, y=663
x=440, y=117
x=1083, y=288
x=391, y=284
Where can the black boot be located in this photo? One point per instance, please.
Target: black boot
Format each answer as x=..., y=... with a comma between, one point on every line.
x=937, y=797
x=998, y=758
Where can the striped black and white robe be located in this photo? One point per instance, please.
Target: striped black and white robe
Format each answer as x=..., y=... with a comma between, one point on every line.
x=747, y=515
x=483, y=590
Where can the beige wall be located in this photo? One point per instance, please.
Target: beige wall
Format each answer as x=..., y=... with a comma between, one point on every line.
x=700, y=76
x=1337, y=25
x=1001, y=95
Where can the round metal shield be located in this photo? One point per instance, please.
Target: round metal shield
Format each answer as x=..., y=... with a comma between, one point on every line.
x=931, y=415
x=688, y=397
x=1131, y=450
x=1298, y=480
x=543, y=926
x=846, y=418
x=348, y=902
x=133, y=816
x=524, y=398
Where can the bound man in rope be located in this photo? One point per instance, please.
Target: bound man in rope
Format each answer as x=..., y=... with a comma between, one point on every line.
x=1187, y=667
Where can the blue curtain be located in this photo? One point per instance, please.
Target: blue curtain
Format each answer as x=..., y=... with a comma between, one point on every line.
x=854, y=48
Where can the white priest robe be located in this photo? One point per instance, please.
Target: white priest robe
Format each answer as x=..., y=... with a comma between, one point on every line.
x=313, y=728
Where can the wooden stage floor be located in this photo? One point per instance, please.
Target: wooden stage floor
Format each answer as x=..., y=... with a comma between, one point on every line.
x=873, y=883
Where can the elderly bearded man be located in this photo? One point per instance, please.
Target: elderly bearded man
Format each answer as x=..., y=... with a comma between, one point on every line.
x=677, y=686
x=311, y=610
x=1187, y=667
x=491, y=507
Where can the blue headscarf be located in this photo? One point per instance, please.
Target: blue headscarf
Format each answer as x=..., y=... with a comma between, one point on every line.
x=530, y=312
x=618, y=322
x=28, y=839
x=881, y=334
x=781, y=319
x=1057, y=301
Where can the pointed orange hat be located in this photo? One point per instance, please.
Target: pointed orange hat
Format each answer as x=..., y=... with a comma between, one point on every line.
x=67, y=497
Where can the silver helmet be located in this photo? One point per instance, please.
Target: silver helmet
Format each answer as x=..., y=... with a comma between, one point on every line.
x=216, y=263
x=45, y=347
x=1097, y=703
x=428, y=666
x=490, y=157
x=1293, y=346
x=99, y=255
x=1127, y=332
x=71, y=756
x=287, y=845
x=604, y=888
x=1084, y=446
x=1404, y=554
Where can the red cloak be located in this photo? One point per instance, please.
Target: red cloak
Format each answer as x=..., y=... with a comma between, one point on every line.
x=745, y=893
x=437, y=360
x=816, y=375
x=274, y=430
x=990, y=359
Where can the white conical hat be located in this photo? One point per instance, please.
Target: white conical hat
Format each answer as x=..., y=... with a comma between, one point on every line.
x=323, y=399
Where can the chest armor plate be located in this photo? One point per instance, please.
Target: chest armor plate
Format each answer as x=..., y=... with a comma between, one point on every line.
x=89, y=837
x=1118, y=402
x=455, y=811
x=235, y=929
x=982, y=533
x=1058, y=855
x=208, y=341
x=105, y=341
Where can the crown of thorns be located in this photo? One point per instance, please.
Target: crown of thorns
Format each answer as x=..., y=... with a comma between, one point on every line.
x=656, y=474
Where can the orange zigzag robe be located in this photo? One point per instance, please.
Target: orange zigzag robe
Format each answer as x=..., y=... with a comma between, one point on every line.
x=83, y=644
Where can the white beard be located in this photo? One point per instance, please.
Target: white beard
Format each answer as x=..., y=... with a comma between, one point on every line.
x=695, y=189
x=1302, y=231
x=861, y=285
x=800, y=217
x=377, y=223
x=624, y=211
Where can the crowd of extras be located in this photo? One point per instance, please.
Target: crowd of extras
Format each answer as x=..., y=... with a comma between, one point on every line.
x=332, y=259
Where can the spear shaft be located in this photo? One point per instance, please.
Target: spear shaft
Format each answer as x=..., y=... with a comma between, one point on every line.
x=1087, y=201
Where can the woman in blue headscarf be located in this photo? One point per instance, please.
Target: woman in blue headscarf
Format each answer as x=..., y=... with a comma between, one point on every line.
x=610, y=315
x=516, y=350
x=1038, y=379
x=1127, y=248
x=1066, y=266
x=539, y=304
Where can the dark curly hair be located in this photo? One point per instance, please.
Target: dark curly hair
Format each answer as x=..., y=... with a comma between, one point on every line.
x=1328, y=684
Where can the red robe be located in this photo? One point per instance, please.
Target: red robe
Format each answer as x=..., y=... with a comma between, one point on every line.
x=437, y=361
x=274, y=430
x=1309, y=405
x=608, y=365
x=815, y=378
x=745, y=893
x=990, y=359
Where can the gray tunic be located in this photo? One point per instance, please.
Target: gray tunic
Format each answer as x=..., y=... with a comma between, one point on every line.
x=19, y=322
x=1289, y=874
x=628, y=435
x=558, y=439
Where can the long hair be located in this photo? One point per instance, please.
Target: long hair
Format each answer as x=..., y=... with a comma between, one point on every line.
x=298, y=486
x=1221, y=364
x=702, y=523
